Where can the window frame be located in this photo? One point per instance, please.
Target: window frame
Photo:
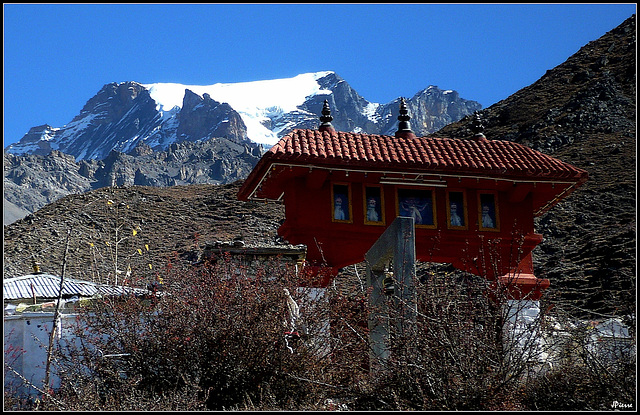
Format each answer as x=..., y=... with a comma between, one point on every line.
x=496, y=212
x=432, y=191
x=349, y=202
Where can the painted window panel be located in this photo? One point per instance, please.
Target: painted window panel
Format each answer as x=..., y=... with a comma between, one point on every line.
x=419, y=204
x=488, y=217
x=341, y=207
x=456, y=210
x=373, y=205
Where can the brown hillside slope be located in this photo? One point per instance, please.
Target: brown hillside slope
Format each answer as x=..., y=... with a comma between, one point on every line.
x=174, y=223
x=583, y=112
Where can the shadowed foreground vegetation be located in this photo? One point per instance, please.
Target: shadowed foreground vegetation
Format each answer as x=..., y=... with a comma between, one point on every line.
x=214, y=338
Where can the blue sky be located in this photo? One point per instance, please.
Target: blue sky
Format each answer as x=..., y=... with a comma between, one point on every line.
x=58, y=56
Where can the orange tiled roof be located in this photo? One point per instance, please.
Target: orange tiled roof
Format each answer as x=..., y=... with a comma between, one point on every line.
x=420, y=153
x=429, y=155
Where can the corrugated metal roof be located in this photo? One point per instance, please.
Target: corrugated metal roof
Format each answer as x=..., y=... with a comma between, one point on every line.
x=47, y=286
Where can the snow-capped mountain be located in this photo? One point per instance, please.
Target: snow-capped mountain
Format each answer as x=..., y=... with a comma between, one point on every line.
x=262, y=105
x=122, y=116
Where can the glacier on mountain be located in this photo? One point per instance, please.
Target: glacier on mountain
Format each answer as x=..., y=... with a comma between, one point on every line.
x=257, y=102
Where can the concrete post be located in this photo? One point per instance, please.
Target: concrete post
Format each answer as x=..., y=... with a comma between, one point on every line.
x=394, y=250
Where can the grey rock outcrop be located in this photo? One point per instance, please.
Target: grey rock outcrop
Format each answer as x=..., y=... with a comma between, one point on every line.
x=203, y=118
x=33, y=181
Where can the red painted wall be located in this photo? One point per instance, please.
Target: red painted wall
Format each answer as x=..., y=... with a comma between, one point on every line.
x=309, y=209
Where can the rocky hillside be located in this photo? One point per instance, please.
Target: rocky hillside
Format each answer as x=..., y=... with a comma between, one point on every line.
x=582, y=112
x=147, y=225
x=32, y=181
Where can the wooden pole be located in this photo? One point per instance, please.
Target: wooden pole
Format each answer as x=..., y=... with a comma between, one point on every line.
x=56, y=316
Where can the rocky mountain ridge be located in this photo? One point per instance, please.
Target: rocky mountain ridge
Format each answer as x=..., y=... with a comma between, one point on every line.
x=33, y=181
x=121, y=134
x=122, y=116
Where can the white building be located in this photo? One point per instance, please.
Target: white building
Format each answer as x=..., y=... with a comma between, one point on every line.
x=29, y=308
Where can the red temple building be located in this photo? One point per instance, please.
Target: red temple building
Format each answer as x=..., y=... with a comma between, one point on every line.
x=473, y=200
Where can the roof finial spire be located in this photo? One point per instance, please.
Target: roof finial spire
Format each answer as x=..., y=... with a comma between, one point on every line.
x=404, y=128
x=477, y=128
x=326, y=118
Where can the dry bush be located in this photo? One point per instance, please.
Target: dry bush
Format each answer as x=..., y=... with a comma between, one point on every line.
x=451, y=357
x=214, y=338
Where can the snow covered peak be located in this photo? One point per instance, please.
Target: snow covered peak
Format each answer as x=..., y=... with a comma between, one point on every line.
x=257, y=102
x=120, y=117
x=286, y=93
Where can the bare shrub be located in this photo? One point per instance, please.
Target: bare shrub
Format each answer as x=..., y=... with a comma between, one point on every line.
x=451, y=357
x=214, y=335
